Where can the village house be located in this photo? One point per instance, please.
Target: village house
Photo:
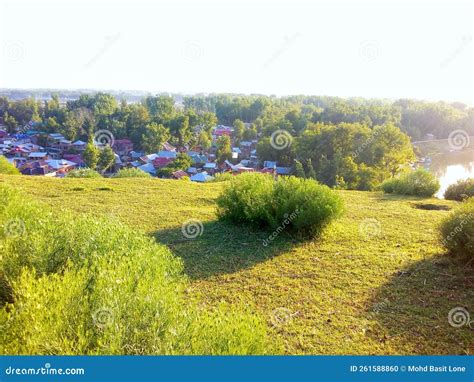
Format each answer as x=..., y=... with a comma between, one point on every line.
x=122, y=147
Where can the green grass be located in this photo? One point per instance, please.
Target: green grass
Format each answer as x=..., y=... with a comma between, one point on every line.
x=376, y=281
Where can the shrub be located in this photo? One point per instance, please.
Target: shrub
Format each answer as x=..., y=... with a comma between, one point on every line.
x=131, y=173
x=299, y=205
x=7, y=168
x=388, y=186
x=463, y=189
x=82, y=285
x=457, y=231
x=419, y=183
x=83, y=173
x=223, y=177
x=247, y=199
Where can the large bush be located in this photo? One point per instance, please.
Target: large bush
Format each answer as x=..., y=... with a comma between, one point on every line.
x=131, y=173
x=419, y=183
x=7, y=168
x=223, y=177
x=461, y=190
x=83, y=173
x=94, y=286
x=299, y=205
x=457, y=231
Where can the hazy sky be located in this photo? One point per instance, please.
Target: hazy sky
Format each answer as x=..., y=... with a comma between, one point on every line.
x=417, y=49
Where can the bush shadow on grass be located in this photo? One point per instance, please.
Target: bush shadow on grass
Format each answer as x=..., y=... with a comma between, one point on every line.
x=413, y=307
x=222, y=248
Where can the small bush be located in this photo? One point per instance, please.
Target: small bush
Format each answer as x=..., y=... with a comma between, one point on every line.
x=83, y=173
x=419, y=183
x=457, y=231
x=7, y=168
x=131, y=173
x=82, y=285
x=463, y=189
x=299, y=205
x=223, y=177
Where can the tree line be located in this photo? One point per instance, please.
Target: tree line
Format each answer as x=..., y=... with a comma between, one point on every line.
x=349, y=143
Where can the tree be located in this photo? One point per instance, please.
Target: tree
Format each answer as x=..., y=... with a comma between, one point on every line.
x=389, y=149
x=250, y=134
x=310, y=173
x=91, y=155
x=184, y=131
x=204, y=140
x=161, y=108
x=239, y=129
x=106, y=159
x=154, y=137
x=182, y=162
x=52, y=125
x=299, y=170
x=224, y=150
x=10, y=122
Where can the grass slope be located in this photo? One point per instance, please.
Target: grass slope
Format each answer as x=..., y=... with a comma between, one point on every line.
x=376, y=282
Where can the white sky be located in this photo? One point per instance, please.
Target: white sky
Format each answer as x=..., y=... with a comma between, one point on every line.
x=417, y=49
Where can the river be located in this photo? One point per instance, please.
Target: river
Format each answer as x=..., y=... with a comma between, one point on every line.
x=449, y=167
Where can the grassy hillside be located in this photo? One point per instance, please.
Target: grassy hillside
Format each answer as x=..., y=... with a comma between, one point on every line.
x=376, y=282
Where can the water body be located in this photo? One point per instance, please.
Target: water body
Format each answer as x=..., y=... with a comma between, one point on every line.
x=449, y=167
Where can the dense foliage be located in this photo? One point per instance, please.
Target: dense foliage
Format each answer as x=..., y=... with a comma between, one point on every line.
x=457, y=231
x=131, y=173
x=7, y=168
x=83, y=173
x=419, y=183
x=82, y=285
x=299, y=205
x=344, y=143
x=461, y=190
